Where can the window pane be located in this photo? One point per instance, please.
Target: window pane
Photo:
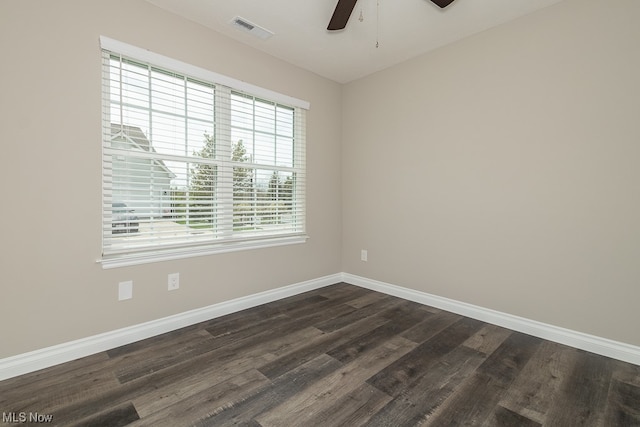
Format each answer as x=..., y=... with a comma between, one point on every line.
x=168, y=134
x=264, y=149
x=284, y=152
x=242, y=148
x=200, y=101
x=167, y=92
x=265, y=117
x=284, y=121
x=134, y=84
x=241, y=111
x=200, y=139
x=133, y=117
x=186, y=162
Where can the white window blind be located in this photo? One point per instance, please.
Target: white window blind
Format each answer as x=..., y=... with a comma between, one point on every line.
x=191, y=166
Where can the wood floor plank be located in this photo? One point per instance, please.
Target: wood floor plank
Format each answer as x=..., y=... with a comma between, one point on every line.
x=624, y=394
x=280, y=389
x=250, y=358
x=335, y=356
x=505, y=417
x=342, y=292
x=431, y=325
x=370, y=298
x=418, y=400
x=335, y=386
x=487, y=339
x=66, y=391
x=208, y=401
x=583, y=396
x=320, y=345
x=625, y=372
x=12, y=389
x=184, y=392
x=157, y=342
x=296, y=307
x=335, y=323
x=534, y=391
x=286, y=306
x=118, y=416
x=146, y=363
x=476, y=399
x=407, y=370
x=211, y=363
x=404, y=318
x=59, y=386
x=623, y=407
x=305, y=314
x=355, y=409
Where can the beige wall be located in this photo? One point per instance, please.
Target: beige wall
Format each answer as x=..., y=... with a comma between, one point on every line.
x=52, y=289
x=500, y=171
x=503, y=170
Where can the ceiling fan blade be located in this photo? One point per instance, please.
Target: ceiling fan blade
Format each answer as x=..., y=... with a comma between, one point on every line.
x=341, y=14
x=442, y=3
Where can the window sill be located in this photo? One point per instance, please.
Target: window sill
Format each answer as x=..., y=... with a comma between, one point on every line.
x=169, y=255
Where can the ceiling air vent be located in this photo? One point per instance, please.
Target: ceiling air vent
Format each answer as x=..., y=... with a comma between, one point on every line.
x=251, y=28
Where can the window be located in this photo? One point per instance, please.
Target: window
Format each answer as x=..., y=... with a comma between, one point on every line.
x=194, y=166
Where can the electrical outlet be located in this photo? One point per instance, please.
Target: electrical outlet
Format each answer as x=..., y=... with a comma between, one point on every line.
x=363, y=255
x=125, y=290
x=173, y=281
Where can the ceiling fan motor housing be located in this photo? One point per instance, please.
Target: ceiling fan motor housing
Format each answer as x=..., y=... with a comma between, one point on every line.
x=442, y=3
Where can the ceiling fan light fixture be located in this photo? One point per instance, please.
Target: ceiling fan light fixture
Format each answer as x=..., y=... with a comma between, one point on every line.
x=251, y=28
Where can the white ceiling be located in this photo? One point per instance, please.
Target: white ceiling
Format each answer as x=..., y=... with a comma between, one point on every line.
x=403, y=28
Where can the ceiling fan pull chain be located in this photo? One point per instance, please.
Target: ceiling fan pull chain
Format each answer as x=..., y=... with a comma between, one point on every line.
x=377, y=23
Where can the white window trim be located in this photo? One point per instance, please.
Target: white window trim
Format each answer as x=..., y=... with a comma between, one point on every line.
x=150, y=257
x=201, y=73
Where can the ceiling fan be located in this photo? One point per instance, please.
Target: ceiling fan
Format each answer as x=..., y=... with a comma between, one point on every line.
x=344, y=8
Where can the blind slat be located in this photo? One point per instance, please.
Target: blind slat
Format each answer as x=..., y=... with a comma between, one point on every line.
x=190, y=163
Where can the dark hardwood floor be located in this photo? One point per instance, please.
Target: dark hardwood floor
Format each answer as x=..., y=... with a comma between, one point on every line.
x=337, y=356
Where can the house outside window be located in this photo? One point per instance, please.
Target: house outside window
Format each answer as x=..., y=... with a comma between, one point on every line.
x=193, y=166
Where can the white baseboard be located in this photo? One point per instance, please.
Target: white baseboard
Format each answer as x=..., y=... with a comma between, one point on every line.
x=605, y=347
x=65, y=352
